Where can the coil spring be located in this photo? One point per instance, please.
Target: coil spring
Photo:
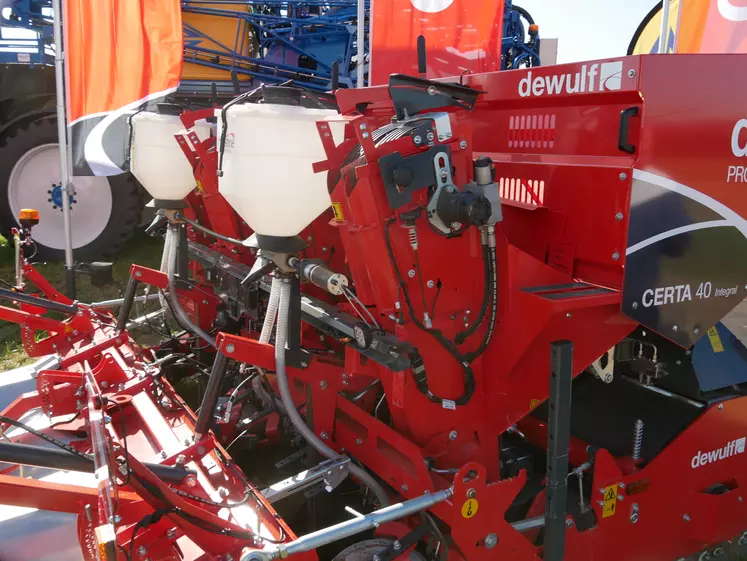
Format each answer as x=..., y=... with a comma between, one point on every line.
x=412, y=234
x=637, y=439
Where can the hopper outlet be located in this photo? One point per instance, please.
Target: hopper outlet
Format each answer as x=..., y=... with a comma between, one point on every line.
x=156, y=159
x=267, y=172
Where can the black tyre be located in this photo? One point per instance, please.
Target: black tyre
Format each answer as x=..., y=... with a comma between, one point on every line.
x=105, y=210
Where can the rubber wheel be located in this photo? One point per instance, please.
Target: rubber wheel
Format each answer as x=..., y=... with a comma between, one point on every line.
x=105, y=211
x=365, y=551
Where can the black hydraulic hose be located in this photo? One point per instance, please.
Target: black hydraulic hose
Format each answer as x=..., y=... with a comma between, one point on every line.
x=208, y=231
x=493, y=282
x=469, y=379
x=461, y=337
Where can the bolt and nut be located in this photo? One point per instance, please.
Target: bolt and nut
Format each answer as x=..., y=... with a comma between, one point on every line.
x=171, y=534
x=164, y=454
x=417, y=140
x=181, y=459
x=686, y=518
x=463, y=144
x=431, y=284
x=619, y=216
x=396, y=545
x=411, y=273
x=324, y=436
x=675, y=328
x=430, y=136
x=471, y=493
x=491, y=540
x=323, y=384
x=359, y=441
x=142, y=550
x=404, y=488
x=230, y=348
x=453, y=435
x=569, y=522
x=623, y=176
x=631, y=73
x=615, y=256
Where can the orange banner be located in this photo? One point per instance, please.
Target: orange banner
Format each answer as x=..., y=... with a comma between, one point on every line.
x=715, y=26
x=460, y=35
x=120, y=54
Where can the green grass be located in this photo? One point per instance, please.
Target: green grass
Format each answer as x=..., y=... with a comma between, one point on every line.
x=142, y=250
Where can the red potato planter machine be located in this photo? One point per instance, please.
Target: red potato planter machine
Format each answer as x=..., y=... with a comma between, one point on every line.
x=438, y=320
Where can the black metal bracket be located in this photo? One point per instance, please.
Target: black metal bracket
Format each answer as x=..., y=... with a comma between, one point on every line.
x=403, y=176
x=411, y=95
x=558, y=438
x=294, y=354
x=210, y=399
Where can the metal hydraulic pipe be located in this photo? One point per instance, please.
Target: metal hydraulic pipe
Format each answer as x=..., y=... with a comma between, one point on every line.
x=41, y=456
x=128, y=301
x=59, y=62
x=117, y=302
x=350, y=527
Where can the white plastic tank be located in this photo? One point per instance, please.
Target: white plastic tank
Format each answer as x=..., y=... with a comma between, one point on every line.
x=157, y=160
x=267, y=165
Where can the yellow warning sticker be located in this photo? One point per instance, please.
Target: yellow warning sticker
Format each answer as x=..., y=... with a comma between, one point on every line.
x=610, y=501
x=534, y=403
x=469, y=508
x=715, y=339
x=337, y=209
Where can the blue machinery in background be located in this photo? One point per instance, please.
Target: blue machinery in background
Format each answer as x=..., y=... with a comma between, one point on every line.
x=274, y=40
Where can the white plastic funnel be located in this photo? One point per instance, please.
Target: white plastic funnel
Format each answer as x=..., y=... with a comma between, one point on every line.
x=156, y=159
x=267, y=166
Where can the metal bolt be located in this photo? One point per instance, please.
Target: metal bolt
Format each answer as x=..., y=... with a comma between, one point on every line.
x=411, y=273
x=453, y=435
x=171, y=534
x=230, y=348
x=491, y=540
x=417, y=140
x=431, y=284
x=455, y=225
x=104, y=385
x=705, y=556
x=471, y=494
x=635, y=305
x=107, y=419
x=739, y=499
x=631, y=73
x=621, y=485
x=721, y=406
x=365, y=135
x=678, y=363
x=142, y=550
x=696, y=331
x=623, y=176
x=444, y=175
x=601, y=490
x=615, y=256
x=686, y=518
x=404, y=488
x=324, y=436
x=363, y=126
x=619, y=216
x=674, y=328
x=138, y=274
x=718, y=551
x=432, y=90
x=620, y=498
x=568, y=315
x=600, y=503
x=396, y=545
x=120, y=387
x=190, y=481
x=117, y=519
x=430, y=136
x=463, y=144
x=634, y=517
x=323, y=384
x=448, y=188
x=569, y=522
x=163, y=454
x=181, y=459
x=359, y=441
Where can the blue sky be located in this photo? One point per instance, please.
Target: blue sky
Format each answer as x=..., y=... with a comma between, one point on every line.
x=588, y=29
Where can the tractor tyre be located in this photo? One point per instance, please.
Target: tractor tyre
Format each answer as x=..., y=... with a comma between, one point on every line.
x=105, y=211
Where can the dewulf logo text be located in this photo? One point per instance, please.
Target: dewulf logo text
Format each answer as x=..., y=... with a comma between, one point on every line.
x=732, y=449
x=595, y=78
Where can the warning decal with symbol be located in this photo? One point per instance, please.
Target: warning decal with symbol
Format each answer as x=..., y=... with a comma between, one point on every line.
x=337, y=210
x=610, y=501
x=469, y=508
x=713, y=337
